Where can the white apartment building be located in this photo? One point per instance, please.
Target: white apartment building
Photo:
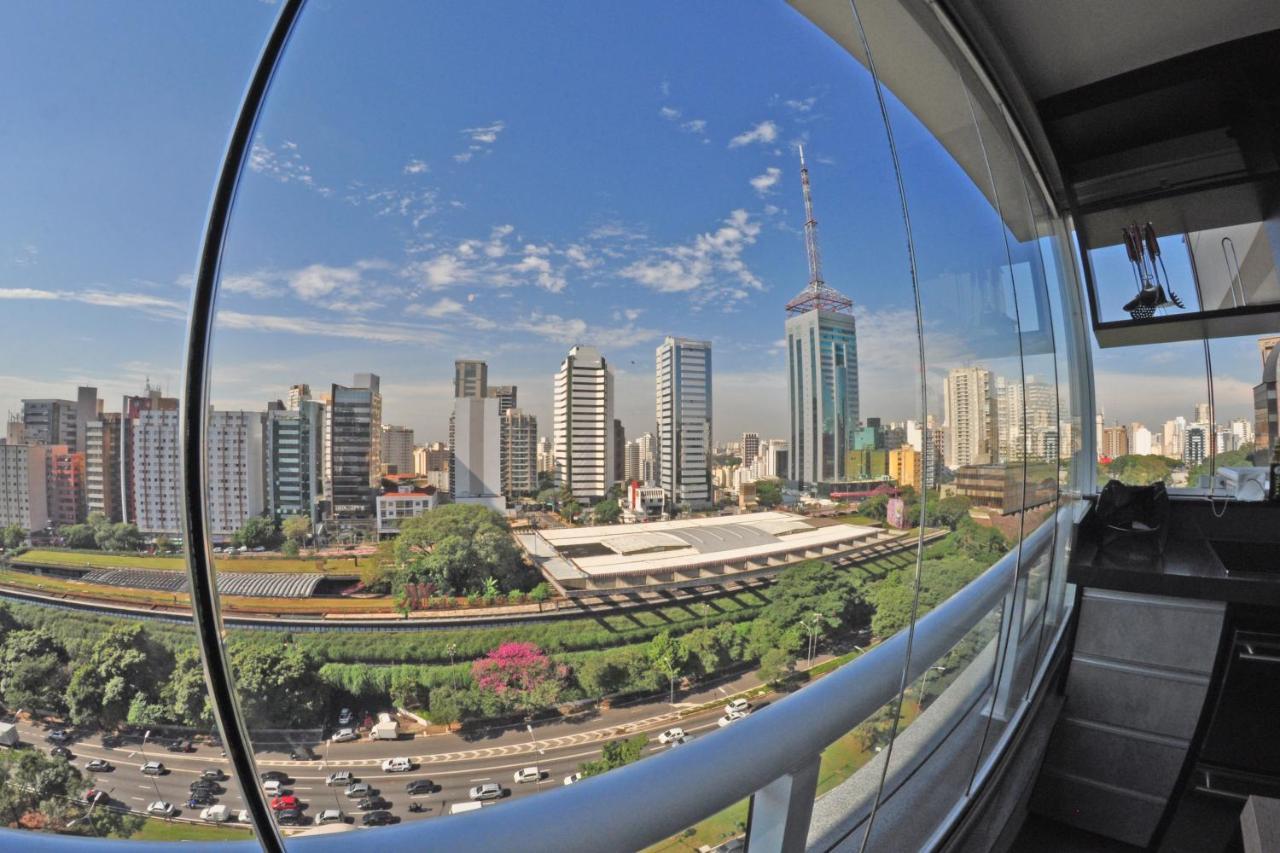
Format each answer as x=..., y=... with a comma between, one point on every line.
x=157, y=472
x=1174, y=437
x=546, y=455
x=582, y=431
x=102, y=466
x=24, y=500
x=1139, y=440
x=967, y=405
x=647, y=448
x=477, y=452
x=519, y=452
x=405, y=502
x=237, y=486
x=684, y=420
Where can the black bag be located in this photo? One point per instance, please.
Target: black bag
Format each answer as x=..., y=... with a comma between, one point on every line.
x=1133, y=520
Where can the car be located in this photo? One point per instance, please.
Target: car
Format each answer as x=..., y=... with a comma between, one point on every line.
x=289, y=817
x=344, y=735
x=374, y=803
x=153, y=768
x=527, y=774
x=572, y=777
x=420, y=786
x=111, y=741
x=358, y=789
x=243, y=816
x=258, y=549
x=273, y=787
x=201, y=798
x=213, y=774
x=206, y=785
x=731, y=717
x=380, y=817
x=680, y=741
x=284, y=801
x=61, y=752
x=487, y=791
x=58, y=736
x=738, y=706
x=399, y=764
x=342, y=777
x=302, y=753
x=274, y=776
x=161, y=808
x=93, y=795
x=216, y=814
x=217, y=549
x=98, y=765
x=671, y=735
x=331, y=816
x=345, y=717
x=181, y=746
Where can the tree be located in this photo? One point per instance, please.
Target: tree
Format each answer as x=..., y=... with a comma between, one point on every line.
x=615, y=753
x=569, y=510
x=815, y=587
x=455, y=547
x=893, y=603
x=117, y=537
x=13, y=536
x=33, y=671
x=290, y=548
x=876, y=506
x=1139, y=470
x=406, y=690
x=277, y=683
x=163, y=544
x=949, y=511
x=768, y=493
x=80, y=536
x=978, y=541
x=296, y=529
x=667, y=657
x=520, y=675
x=607, y=512
x=600, y=674
x=776, y=665
x=1230, y=459
x=122, y=663
x=184, y=694
x=257, y=532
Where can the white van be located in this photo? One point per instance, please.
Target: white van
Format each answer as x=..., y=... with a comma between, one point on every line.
x=458, y=808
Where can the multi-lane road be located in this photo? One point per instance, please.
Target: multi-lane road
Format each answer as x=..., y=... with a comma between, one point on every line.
x=452, y=772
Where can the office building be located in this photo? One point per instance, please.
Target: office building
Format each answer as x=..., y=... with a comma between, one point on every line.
x=298, y=394
x=546, y=455
x=619, y=450
x=15, y=430
x=1115, y=442
x=397, y=449
x=506, y=395
x=519, y=453
x=867, y=463
x=470, y=378
x=749, y=447
x=237, y=470
x=684, y=421
x=65, y=485
x=102, y=466
x=582, y=429
x=150, y=462
x=1266, y=424
x=970, y=425
x=1139, y=440
x=294, y=452
x=1201, y=414
x=23, y=497
x=631, y=463
x=477, y=452
x=1196, y=447
x=49, y=421
x=352, y=452
x=432, y=457
x=88, y=407
x=647, y=449
x=1172, y=440
x=905, y=468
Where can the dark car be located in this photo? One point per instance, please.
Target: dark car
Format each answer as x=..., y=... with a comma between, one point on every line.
x=369, y=804
x=207, y=785
x=420, y=786
x=274, y=776
x=200, y=798
x=376, y=818
x=61, y=752
x=112, y=741
x=289, y=817
x=302, y=753
x=181, y=746
x=213, y=774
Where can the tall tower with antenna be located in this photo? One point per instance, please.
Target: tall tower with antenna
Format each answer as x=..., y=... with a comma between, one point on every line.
x=822, y=369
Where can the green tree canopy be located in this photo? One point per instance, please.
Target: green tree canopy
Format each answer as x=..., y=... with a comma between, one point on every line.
x=33, y=671
x=13, y=536
x=768, y=493
x=296, y=529
x=122, y=663
x=78, y=536
x=815, y=587
x=615, y=753
x=257, y=532
x=277, y=683
x=607, y=512
x=1134, y=470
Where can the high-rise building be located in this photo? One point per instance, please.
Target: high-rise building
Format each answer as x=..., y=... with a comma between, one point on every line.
x=546, y=455
x=1266, y=414
x=477, y=452
x=64, y=485
x=684, y=421
x=1201, y=414
x=102, y=465
x=297, y=395
x=352, y=452
x=15, y=431
x=1242, y=429
x=519, y=453
x=822, y=368
x=88, y=407
x=970, y=427
x=49, y=421
x=582, y=430
x=750, y=447
x=1139, y=440
x=647, y=448
x=619, y=450
x=237, y=471
x=294, y=451
x=1197, y=446
x=433, y=457
x=150, y=463
x=506, y=395
x=1115, y=441
x=1172, y=437
x=397, y=449
x=773, y=459
x=23, y=497
x=904, y=467
x=631, y=463
x=470, y=378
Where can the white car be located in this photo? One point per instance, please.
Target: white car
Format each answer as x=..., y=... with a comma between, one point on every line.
x=342, y=777
x=344, y=735
x=487, y=791
x=161, y=808
x=216, y=814
x=731, y=717
x=345, y=717
x=738, y=706
x=273, y=787
x=400, y=764
x=572, y=777
x=243, y=816
x=152, y=768
x=331, y=816
x=527, y=774
x=671, y=735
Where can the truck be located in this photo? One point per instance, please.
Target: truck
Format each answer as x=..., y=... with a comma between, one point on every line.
x=8, y=734
x=386, y=728
x=458, y=808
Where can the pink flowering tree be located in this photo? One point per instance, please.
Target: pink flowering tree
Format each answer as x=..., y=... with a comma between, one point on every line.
x=521, y=676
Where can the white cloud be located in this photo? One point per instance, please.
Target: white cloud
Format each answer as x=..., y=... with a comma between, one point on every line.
x=802, y=105
x=696, y=125
x=711, y=264
x=390, y=333
x=669, y=113
x=764, y=132
x=442, y=308
x=487, y=134
x=415, y=167
x=284, y=164
x=27, y=255
x=763, y=184
x=259, y=285
x=574, y=330
x=146, y=303
x=320, y=280
x=28, y=293
x=464, y=157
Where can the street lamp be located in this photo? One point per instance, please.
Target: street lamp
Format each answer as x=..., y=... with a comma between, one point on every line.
x=924, y=684
x=154, y=782
x=705, y=608
x=812, y=624
x=451, y=649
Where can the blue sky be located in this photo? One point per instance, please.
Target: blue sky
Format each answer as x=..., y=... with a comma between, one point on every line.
x=437, y=181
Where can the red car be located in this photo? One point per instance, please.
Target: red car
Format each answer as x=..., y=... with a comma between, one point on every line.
x=284, y=801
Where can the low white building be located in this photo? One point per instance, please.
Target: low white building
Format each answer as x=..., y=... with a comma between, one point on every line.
x=406, y=502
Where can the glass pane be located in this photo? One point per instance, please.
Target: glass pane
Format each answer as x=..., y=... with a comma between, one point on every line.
x=112, y=142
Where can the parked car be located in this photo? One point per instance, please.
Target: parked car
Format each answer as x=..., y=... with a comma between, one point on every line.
x=527, y=774
x=161, y=809
x=331, y=816
x=487, y=791
x=377, y=818
x=98, y=765
x=344, y=735
x=289, y=817
x=399, y=764
x=358, y=789
x=216, y=814
x=213, y=774
x=572, y=777
x=670, y=735
x=181, y=746
x=420, y=786
x=274, y=775
x=61, y=752
x=200, y=798
x=284, y=801
x=341, y=777
x=345, y=717
x=58, y=736
x=153, y=768
x=738, y=706
x=374, y=803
